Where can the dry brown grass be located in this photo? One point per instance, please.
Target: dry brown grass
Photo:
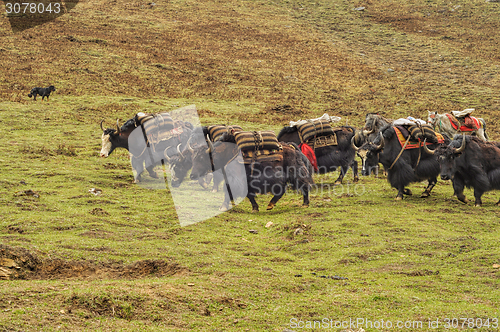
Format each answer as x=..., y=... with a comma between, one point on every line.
x=444, y=57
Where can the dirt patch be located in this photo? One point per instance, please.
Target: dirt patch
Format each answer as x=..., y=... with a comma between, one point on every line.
x=19, y=263
x=421, y=273
x=232, y=303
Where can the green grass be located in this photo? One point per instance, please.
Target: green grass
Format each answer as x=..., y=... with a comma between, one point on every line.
x=418, y=259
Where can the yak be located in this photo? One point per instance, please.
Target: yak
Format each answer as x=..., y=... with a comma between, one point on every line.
x=330, y=158
x=259, y=177
x=374, y=122
x=182, y=163
x=403, y=166
x=470, y=162
x=141, y=151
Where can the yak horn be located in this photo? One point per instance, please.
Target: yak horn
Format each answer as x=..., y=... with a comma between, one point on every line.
x=462, y=147
x=101, y=124
x=368, y=132
x=189, y=146
x=382, y=142
x=210, y=145
x=354, y=144
x=117, y=127
x=179, y=150
x=166, y=155
x=426, y=149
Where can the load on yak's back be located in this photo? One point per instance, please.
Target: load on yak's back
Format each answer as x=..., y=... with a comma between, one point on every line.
x=458, y=122
x=326, y=144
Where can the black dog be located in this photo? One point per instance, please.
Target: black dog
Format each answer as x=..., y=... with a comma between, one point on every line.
x=44, y=92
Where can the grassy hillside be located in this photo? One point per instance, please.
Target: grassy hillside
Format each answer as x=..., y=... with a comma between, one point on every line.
x=120, y=260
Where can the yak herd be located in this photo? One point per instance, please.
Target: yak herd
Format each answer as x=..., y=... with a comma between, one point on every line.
x=410, y=150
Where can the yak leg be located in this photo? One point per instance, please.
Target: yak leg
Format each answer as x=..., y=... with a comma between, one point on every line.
x=277, y=196
x=401, y=192
x=407, y=191
x=138, y=167
x=458, y=189
x=354, y=166
x=343, y=170
x=427, y=191
x=255, y=206
x=151, y=172
x=477, y=195
x=305, y=195
x=226, y=203
x=218, y=178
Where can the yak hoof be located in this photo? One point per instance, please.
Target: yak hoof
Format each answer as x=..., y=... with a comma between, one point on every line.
x=305, y=205
x=407, y=192
x=398, y=198
x=498, y=203
x=477, y=205
x=356, y=179
x=223, y=208
x=255, y=210
x=338, y=182
x=270, y=206
x=215, y=190
x=153, y=175
x=425, y=194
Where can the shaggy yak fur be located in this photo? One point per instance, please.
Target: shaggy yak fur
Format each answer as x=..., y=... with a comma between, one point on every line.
x=470, y=162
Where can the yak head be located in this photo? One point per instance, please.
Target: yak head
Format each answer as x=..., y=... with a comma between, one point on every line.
x=373, y=123
x=116, y=138
x=432, y=118
x=180, y=162
x=369, y=153
x=447, y=156
x=215, y=157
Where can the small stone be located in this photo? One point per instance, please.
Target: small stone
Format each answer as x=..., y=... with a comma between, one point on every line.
x=254, y=231
x=190, y=284
x=496, y=266
x=95, y=191
x=298, y=231
x=360, y=9
x=269, y=224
